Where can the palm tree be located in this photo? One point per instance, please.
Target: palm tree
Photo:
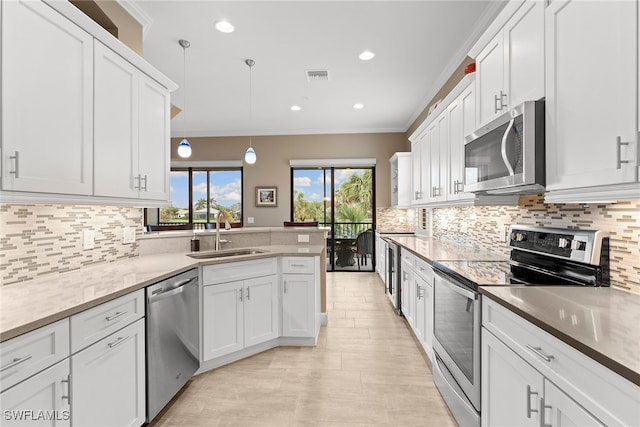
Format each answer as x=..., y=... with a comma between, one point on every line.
x=200, y=204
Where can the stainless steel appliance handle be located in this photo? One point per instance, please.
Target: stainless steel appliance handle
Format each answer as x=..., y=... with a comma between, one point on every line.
x=454, y=286
x=159, y=294
x=503, y=147
x=16, y=159
x=16, y=361
x=619, y=144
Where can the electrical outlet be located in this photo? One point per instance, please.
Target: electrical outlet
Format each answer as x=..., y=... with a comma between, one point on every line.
x=463, y=227
x=250, y=220
x=303, y=238
x=128, y=235
x=88, y=239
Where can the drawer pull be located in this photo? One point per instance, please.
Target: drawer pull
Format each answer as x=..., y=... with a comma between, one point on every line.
x=529, y=394
x=115, y=316
x=298, y=265
x=539, y=352
x=16, y=361
x=117, y=342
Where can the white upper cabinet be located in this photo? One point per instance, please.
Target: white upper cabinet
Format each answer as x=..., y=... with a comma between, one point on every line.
x=400, y=164
x=510, y=67
x=462, y=121
x=591, y=100
x=131, y=130
x=82, y=115
x=419, y=169
x=47, y=97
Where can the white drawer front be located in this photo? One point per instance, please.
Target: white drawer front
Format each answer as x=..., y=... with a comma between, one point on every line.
x=240, y=270
x=607, y=395
x=28, y=354
x=298, y=264
x=98, y=322
x=425, y=270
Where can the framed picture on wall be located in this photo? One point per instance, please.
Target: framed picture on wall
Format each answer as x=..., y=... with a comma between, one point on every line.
x=266, y=196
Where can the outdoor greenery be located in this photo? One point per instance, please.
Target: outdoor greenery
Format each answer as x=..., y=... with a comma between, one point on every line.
x=353, y=200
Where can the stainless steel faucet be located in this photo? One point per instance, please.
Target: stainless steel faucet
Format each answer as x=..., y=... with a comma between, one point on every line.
x=219, y=217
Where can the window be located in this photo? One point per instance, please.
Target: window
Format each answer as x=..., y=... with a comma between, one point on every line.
x=198, y=194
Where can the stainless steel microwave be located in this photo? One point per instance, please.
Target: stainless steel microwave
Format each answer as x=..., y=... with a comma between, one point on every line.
x=506, y=156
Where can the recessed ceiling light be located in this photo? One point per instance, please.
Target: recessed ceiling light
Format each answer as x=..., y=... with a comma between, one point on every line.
x=358, y=106
x=225, y=26
x=366, y=55
x=295, y=108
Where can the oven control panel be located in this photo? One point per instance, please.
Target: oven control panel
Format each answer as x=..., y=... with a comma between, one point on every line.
x=579, y=245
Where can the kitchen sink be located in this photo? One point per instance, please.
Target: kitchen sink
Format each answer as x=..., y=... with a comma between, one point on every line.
x=225, y=253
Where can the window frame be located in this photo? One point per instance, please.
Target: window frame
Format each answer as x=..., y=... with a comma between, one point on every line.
x=208, y=169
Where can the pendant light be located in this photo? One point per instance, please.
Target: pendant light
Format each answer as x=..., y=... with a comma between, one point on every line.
x=184, y=148
x=250, y=155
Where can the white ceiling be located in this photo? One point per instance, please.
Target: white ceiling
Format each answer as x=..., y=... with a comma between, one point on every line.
x=417, y=44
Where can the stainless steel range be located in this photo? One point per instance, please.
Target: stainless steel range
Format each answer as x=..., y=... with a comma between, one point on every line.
x=539, y=256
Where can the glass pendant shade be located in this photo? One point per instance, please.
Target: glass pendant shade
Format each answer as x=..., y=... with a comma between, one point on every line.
x=250, y=156
x=184, y=149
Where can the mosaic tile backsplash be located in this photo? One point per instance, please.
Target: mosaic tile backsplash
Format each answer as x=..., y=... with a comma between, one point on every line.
x=484, y=227
x=42, y=239
x=394, y=220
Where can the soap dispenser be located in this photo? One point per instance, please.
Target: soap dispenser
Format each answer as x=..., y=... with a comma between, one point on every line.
x=195, y=243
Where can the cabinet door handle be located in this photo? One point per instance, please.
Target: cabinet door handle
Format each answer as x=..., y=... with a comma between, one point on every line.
x=241, y=291
x=497, y=99
x=529, y=394
x=540, y=353
x=248, y=293
x=619, y=144
x=503, y=104
x=459, y=187
x=136, y=178
x=16, y=361
x=16, y=164
x=543, y=407
x=285, y=287
x=117, y=342
x=115, y=316
x=68, y=395
x=145, y=183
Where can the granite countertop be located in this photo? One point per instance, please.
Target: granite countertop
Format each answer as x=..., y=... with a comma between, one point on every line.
x=601, y=322
x=29, y=305
x=431, y=249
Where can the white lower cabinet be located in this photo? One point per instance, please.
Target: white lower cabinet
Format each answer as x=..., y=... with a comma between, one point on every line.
x=298, y=313
x=407, y=291
x=108, y=380
x=423, y=328
x=530, y=378
x=41, y=400
x=511, y=388
x=239, y=314
x=300, y=297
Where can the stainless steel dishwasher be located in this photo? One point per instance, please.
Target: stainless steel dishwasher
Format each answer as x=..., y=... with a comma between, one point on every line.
x=172, y=338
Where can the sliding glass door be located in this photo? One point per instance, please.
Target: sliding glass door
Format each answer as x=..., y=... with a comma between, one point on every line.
x=341, y=199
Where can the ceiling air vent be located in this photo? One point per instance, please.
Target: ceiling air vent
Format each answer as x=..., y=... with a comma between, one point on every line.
x=318, y=75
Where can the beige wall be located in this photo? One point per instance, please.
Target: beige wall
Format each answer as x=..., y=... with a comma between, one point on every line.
x=272, y=167
x=455, y=78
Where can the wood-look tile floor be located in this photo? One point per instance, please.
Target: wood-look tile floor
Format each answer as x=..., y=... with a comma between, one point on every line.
x=366, y=370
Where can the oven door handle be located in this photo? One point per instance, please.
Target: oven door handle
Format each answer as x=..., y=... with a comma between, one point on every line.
x=456, y=287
